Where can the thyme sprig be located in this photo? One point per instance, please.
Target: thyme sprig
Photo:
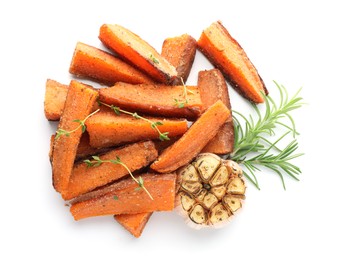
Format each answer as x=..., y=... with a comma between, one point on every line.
x=251, y=145
x=97, y=162
x=155, y=60
x=154, y=125
x=60, y=132
x=184, y=101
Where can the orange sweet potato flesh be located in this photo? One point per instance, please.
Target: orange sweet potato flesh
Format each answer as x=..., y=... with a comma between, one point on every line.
x=227, y=55
x=54, y=100
x=180, y=51
x=85, y=179
x=84, y=149
x=96, y=64
x=158, y=100
x=138, y=52
x=194, y=140
x=123, y=197
x=108, y=129
x=79, y=104
x=134, y=223
x=213, y=87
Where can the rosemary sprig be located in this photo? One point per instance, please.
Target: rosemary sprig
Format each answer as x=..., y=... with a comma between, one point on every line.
x=182, y=103
x=251, y=147
x=97, y=162
x=154, y=125
x=67, y=133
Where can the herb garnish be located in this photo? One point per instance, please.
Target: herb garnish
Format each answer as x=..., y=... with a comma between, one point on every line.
x=182, y=103
x=61, y=131
x=154, y=125
x=155, y=60
x=97, y=162
x=251, y=147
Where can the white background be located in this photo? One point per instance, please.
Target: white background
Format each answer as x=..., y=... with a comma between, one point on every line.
x=297, y=43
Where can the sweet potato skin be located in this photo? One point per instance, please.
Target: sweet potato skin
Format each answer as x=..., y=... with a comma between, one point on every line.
x=108, y=129
x=194, y=140
x=180, y=51
x=79, y=104
x=227, y=55
x=91, y=62
x=138, y=52
x=85, y=179
x=213, y=87
x=134, y=223
x=123, y=197
x=157, y=100
x=54, y=100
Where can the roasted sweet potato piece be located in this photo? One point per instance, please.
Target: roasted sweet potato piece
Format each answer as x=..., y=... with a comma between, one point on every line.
x=213, y=87
x=180, y=51
x=155, y=100
x=194, y=140
x=93, y=63
x=134, y=223
x=123, y=197
x=84, y=148
x=79, y=104
x=138, y=52
x=54, y=100
x=227, y=55
x=161, y=146
x=85, y=179
x=108, y=129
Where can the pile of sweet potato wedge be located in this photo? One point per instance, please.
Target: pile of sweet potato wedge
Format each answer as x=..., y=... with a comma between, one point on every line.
x=137, y=78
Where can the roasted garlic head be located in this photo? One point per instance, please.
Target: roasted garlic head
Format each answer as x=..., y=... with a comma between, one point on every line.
x=210, y=190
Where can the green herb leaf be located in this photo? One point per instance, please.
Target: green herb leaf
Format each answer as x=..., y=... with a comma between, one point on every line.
x=251, y=145
x=115, y=197
x=155, y=124
x=88, y=163
x=155, y=60
x=117, y=110
x=135, y=115
x=83, y=128
x=140, y=181
x=164, y=136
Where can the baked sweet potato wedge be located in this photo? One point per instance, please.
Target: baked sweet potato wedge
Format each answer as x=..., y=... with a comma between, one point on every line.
x=79, y=104
x=161, y=146
x=180, y=51
x=84, y=148
x=194, y=140
x=54, y=99
x=213, y=87
x=157, y=100
x=227, y=55
x=134, y=223
x=123, y=197
x=108, y=129
x=85, y=179
x=96, y=64
x=138, y=52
